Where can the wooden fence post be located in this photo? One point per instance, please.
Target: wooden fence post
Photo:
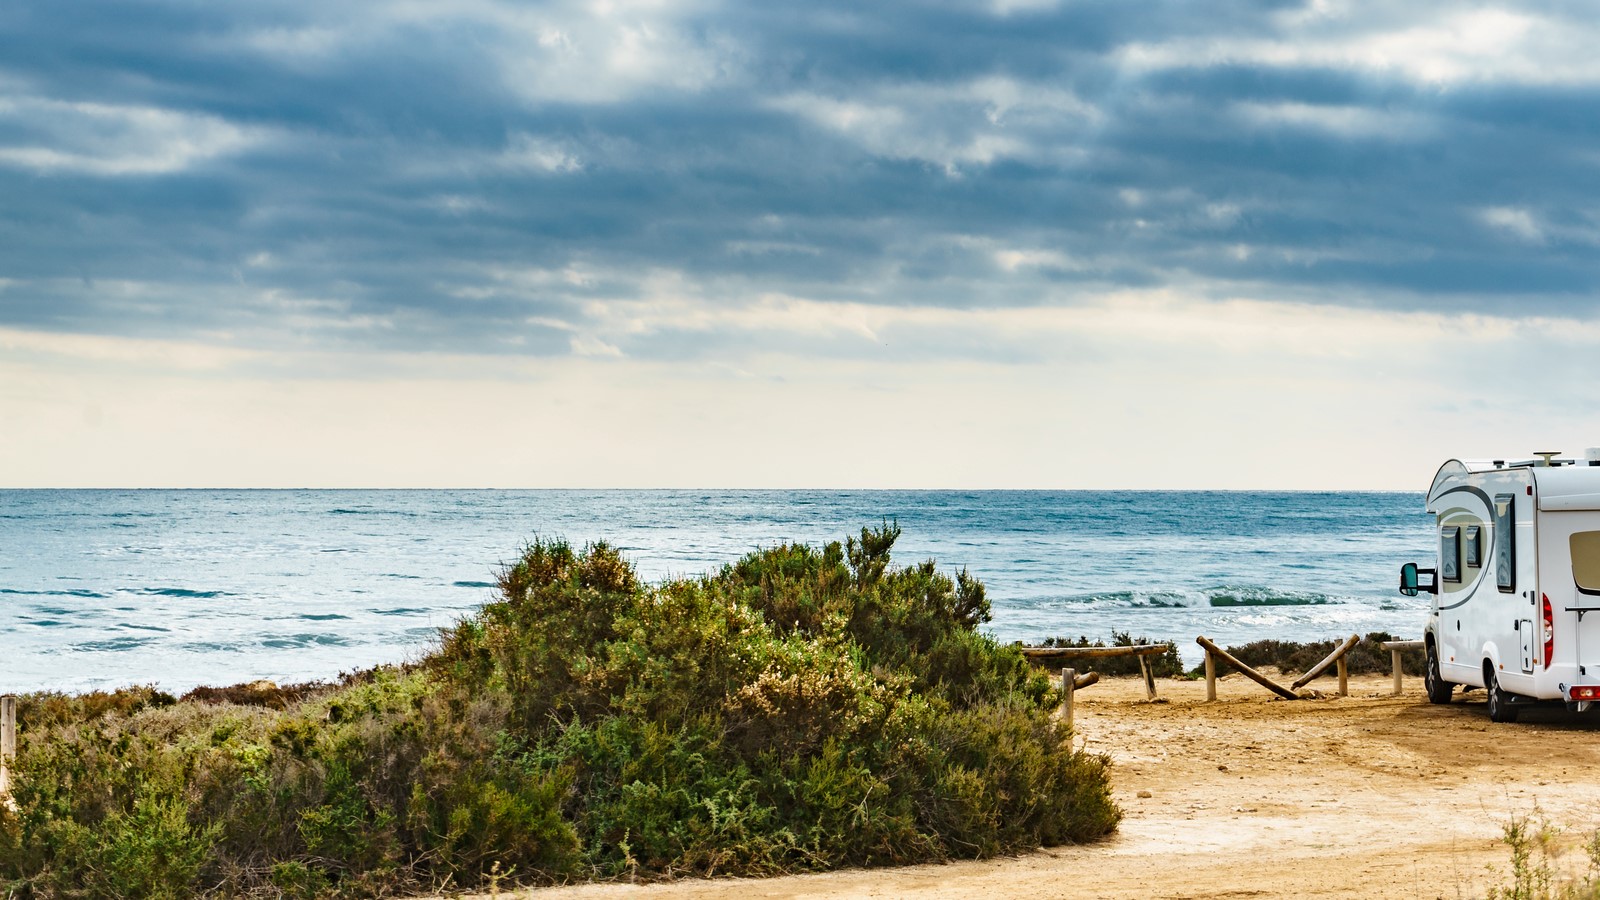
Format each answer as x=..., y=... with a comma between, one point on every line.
x=8, y=742
x=1211, y=676
x=1394, y=658
x=1337, y=656
x=1344, y=678
x=1149, y=678
x=1069, y=686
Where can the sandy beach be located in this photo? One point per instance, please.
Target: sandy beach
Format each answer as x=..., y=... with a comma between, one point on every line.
x=1366, y=795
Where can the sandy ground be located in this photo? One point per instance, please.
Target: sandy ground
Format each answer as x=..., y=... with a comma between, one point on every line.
x=1366, y=795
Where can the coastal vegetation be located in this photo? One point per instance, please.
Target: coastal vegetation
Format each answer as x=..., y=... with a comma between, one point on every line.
x=800, y=709
x=1539, y=867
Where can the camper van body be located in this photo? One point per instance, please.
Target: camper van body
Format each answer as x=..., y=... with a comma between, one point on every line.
x=1516, y=603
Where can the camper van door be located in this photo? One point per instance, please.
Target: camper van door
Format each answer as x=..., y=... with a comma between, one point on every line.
x=1569, y=566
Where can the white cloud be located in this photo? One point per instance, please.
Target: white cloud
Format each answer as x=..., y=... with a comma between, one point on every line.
x=968, y=124
x=1015, y=260
x=1518, y=222
x=296, y=45
x=106, y=139
x=606, y=52
x=156, y=355
x=1011, y=7
x=1341, y=120
x=771, y=248
x=586, y=345
x=458, y=204
x=1178, y=393
x=1422, y=43
x=533, y=153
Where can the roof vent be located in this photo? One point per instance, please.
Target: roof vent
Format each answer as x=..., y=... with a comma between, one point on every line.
x=1592, y=456
x=1545, y=456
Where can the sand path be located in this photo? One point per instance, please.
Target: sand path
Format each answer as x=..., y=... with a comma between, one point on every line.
x=1369, y=795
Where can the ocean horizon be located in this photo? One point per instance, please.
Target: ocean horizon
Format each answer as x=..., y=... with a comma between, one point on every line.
x=186, y=586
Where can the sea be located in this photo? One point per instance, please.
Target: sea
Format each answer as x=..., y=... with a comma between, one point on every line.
x=178, y=588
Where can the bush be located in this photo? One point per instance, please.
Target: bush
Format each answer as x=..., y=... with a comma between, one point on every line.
x=800, y=709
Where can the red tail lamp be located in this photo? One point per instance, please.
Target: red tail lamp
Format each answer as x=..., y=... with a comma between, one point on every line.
x=1549, y=631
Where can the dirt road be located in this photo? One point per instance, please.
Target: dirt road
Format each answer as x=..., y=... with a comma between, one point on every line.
x=1369, y=795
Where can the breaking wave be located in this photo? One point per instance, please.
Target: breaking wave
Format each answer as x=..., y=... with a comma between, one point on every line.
x=1221, y=596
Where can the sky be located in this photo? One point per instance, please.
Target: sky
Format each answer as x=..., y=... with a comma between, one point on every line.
x=685, y=243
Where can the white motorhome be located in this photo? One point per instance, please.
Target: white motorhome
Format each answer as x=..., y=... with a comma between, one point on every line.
x=1518, y=571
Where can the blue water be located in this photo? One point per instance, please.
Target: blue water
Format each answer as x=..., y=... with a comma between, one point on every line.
x=178, y=588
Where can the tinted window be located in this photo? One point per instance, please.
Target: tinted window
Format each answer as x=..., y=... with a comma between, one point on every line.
x=1505, y=542
x=1474, y=546
x=1586, y=561
x=1450, y=554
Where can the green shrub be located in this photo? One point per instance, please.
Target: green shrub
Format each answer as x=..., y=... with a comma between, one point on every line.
x=797, y=710
x=1539, y=870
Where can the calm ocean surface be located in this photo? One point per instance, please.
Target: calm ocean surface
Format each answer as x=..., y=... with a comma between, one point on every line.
x=103, y=588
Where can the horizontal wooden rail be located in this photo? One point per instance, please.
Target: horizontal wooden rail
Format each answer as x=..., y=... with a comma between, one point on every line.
x=1073, y=653
x=1395, y=648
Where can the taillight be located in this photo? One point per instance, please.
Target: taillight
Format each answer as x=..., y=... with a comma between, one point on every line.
x=1584, y=692
x=1549, y=631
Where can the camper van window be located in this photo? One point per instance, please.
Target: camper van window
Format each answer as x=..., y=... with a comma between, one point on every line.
x=1474, y=547
x=1450, y=554
x=1586, y=561
x=1505, y=542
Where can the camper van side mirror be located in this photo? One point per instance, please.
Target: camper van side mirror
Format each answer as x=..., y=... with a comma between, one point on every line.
x=1411, y=580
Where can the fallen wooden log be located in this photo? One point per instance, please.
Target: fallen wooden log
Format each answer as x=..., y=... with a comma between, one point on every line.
x=1245, y=670
x=1337, y=654
x=1084, y=680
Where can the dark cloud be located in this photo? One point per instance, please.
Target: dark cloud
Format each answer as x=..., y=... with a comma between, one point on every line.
x=485, y=178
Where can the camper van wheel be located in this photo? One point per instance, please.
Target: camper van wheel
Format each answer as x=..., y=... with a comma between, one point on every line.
x=1439, y=690
x=1500, y=708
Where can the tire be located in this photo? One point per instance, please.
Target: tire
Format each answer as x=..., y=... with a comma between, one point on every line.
x=1439, y=690
x=1500, y=708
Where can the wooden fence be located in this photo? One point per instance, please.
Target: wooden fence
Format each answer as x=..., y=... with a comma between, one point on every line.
x=1072, y=682
x=1336, y=658
x=1074, y=654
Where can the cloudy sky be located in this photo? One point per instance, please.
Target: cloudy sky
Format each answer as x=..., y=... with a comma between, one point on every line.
x=1007, y=243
